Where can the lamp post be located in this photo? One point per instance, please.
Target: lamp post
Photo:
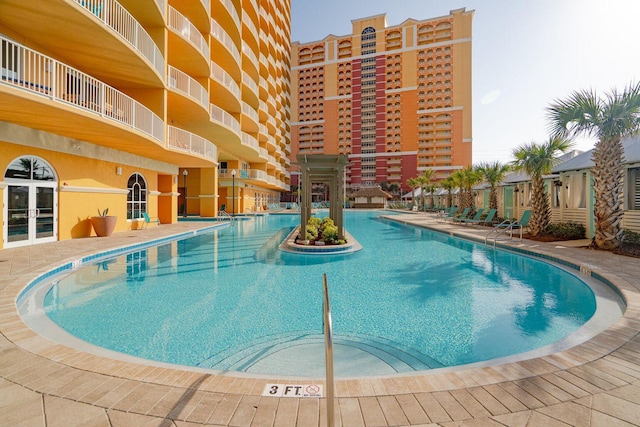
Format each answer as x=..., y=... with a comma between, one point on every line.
x=233, y=193
x=185, y=173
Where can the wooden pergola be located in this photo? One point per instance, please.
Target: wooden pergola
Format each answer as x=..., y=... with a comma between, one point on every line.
x=326, y=169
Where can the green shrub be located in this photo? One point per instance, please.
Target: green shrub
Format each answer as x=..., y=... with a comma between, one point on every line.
x=629, y=236
x=316, y=222
x=312, y=232
x=567, y=230
x=330, y=233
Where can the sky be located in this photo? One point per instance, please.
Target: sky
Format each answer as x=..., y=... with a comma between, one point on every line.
x=526, y=55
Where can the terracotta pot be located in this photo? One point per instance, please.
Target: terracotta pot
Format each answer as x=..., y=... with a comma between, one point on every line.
x=104, y=225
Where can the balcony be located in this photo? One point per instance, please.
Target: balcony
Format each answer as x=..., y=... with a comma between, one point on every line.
x=49, y=79
x=219, y=116
x=187, y=34
x=251, y=95
x=224, y=89
x=250, y=61
x=188, y=86
x=250, y=124
x=180, y=139
x=101, y=35
x=225, y=51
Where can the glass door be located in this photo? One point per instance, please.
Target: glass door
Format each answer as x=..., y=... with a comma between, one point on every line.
x=17, y=223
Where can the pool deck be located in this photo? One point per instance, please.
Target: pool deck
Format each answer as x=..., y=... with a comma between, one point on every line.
x=42, y=383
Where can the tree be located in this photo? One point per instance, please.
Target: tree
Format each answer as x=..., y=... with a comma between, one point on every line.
x=538, y=160
x=413, y=184
x=465, y=179
x=610, y=119
x=424, y=180
x=448, y=184
x=493, y=173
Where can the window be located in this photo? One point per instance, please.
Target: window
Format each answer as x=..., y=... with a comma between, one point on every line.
x=137, y=196
x=634, y=189
x=576, y=191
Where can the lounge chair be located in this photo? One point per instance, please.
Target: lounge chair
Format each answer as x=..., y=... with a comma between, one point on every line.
x=148, y=220
x=445, y=214
x=487, y=220
x=476, y=217
x=464, y=214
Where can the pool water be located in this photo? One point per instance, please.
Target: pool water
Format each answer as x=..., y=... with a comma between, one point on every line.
x=411, y=299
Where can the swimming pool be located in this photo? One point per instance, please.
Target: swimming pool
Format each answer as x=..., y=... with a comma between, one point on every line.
x=410, y=300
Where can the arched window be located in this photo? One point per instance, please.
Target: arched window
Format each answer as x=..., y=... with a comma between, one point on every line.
x=137, y=196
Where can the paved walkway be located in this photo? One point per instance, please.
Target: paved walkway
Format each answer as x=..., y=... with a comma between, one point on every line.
x=46, y=384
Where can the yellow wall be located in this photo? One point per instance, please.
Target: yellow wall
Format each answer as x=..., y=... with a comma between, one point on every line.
x=86, y=186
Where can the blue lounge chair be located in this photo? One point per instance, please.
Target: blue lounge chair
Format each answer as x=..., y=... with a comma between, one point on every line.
x=148, y=220
x=516, y=225
x=476, y=217
x=487, y=220
x=464, y=214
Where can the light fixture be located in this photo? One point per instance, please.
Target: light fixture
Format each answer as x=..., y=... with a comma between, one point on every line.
x=119, y=170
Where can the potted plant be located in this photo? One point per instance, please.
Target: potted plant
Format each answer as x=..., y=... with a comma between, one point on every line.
x=103, y=224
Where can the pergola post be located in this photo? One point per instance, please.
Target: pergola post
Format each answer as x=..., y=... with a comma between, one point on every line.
x=327, y=169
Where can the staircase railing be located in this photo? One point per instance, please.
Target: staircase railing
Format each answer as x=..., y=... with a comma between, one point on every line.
x=328, y=340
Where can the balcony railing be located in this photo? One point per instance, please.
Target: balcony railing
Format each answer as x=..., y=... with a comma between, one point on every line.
x=246, y=79
x=252, y=27
x=249, y=141
x=187, y=30
x=247, y=51
x=218, y=115
x=232, y=11
x=186, y=84
x=25, y=68
x=219, y=74
x=180, y=139
x=116, y=17
x=219, y=33
x=249, y=111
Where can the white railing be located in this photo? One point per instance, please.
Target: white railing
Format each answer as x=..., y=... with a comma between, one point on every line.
x=258, y=174
x=249, y=23
x=232, y=11
x=162, y=5
x=249, y=141
x=207, y=6
x=263, y=152
x=25, y=68
x=219, y=74
x=263, y=129
x=186, y=84
x=246, y=79
x=219, y=33
x=116, y=17
x=180, y=139
x=218, y=115
x=246, y=49
x=249, y=111
x=181, y=25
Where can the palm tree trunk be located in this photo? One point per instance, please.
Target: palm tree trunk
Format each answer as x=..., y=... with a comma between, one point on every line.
x=607, y=185
x=493, y=198
x=541, y=211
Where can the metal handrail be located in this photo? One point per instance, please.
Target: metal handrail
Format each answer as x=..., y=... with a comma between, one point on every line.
x=328, y=341
x=225, y=214
x=499, y=230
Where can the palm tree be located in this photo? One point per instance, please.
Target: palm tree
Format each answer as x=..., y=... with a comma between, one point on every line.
x=448, y=184
x=413, y=184
x=465, y=179
x=538, y=160
x=493, y=173
x=424, y=180
x=610, y=119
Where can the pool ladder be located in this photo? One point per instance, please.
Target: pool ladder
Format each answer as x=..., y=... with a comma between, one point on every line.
x=222, y=215
x=328, y=341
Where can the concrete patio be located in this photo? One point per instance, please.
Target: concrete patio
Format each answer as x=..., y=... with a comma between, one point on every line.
x=43, y=383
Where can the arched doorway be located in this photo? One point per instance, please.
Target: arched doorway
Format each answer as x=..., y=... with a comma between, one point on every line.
x=30, y=202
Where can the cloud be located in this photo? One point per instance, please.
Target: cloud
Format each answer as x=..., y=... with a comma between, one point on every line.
x=491, y=97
